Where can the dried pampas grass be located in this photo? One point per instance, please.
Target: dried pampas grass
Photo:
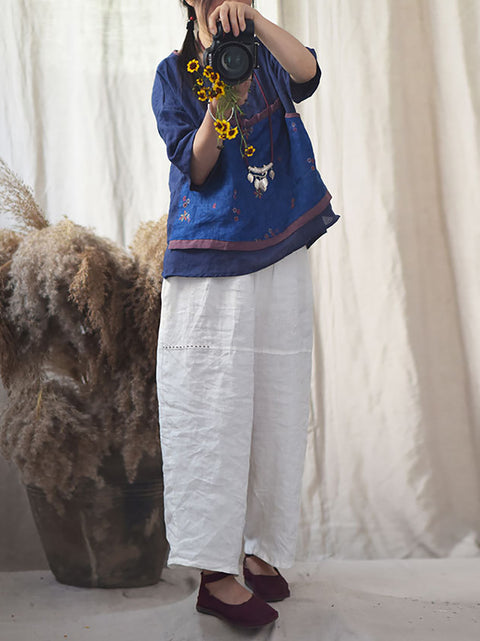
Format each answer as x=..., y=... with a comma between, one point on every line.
x=17, y=200
x=78, y=329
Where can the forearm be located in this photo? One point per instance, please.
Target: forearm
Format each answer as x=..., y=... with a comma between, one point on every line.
x=205, y=151
x=290, y=52
x=206, y=147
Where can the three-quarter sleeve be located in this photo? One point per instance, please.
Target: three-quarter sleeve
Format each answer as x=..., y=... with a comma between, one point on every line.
x=176, y=127
x=302, y=91
x=296, y=91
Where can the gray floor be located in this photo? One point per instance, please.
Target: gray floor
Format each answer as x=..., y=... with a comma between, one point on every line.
x=422, y=600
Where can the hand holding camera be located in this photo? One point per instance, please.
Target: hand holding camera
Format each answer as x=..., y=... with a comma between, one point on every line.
x=233, y=54
x=233, y=16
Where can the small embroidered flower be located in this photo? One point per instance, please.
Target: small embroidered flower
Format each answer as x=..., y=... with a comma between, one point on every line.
x=311, y=161
x=193, y=66
x=214, y=206
x=186, y=201
x=294, y=126
x=249, y=151
x=185, y=217
x=248, y=132
x=235, y=194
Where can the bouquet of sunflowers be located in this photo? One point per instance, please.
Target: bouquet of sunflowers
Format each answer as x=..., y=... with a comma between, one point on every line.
x=209, y=86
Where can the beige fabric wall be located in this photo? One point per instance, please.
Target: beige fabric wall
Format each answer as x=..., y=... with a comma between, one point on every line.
x=392, y=464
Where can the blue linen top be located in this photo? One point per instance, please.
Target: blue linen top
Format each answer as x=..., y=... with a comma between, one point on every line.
x=226, y=227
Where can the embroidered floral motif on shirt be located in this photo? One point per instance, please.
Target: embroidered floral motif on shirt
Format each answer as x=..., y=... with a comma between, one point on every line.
x=236, y=213
x=185, y=217
x=311, y=162
x=294, y=127
x=247, y=132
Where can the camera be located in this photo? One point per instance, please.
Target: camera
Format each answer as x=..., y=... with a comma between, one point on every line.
x=234, y=58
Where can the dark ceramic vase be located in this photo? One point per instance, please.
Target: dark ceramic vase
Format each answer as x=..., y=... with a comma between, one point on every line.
x=110, y=537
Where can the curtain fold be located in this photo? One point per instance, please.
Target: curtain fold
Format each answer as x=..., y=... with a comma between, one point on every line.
x=394, y=430
x=392, y=467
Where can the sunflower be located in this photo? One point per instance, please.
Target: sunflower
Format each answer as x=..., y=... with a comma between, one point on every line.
x=200, y=82
x=193, y=65
x=249, y=151
x=202, y=95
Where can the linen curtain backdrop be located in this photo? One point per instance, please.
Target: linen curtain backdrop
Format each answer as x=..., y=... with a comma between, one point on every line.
x=392, y=466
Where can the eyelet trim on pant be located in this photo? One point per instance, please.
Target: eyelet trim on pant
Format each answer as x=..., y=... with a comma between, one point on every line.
x=185, y=346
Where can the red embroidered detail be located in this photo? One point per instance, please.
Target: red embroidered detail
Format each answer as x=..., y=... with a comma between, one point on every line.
x=185, y=217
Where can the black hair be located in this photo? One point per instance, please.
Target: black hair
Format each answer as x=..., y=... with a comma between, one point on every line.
x=189, y=48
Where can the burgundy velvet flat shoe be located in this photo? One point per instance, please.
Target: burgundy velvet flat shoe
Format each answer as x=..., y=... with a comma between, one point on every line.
x=268, y=588
x=251, y=614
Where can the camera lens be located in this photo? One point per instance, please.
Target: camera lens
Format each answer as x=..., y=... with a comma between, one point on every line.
x=234, y=63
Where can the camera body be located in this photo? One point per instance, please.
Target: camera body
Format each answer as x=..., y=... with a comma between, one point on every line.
x=234, y=58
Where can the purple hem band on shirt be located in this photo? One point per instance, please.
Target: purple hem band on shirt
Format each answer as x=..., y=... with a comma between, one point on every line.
x=252, y=245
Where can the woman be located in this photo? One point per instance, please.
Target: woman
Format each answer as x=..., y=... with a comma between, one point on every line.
x=234, y=349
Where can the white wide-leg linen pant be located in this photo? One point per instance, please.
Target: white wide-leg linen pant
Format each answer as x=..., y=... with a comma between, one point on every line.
x=233, y=380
